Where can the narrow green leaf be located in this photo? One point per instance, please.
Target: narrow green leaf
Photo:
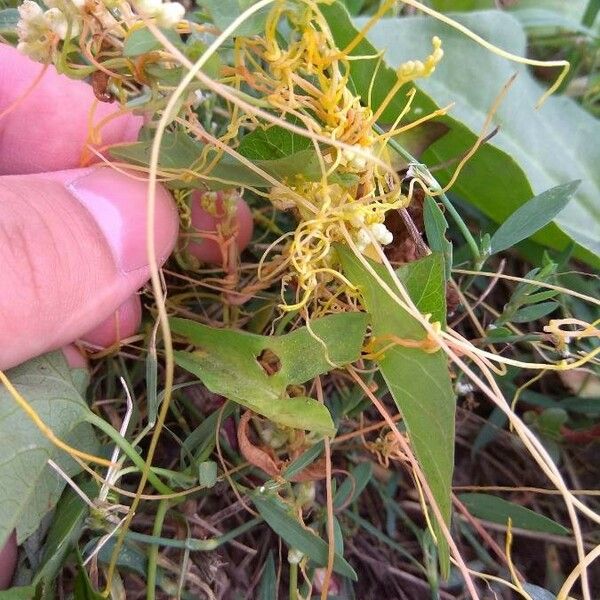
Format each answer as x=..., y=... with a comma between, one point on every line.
x=297, y=536
x=201, y=442
x=498, y=510
x=19, y=593
x=83, y=587
x=353, y=485
x=304, y=460
x=419, y=381
x=534, y=312
x=435, y=229
x=227, y=362
x=538, y=593
x=54, y=392
x=532, y=216
x=67, y=525
x=268, y=582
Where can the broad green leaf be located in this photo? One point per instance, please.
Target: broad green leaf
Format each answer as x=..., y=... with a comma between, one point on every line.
x=30, y=488
x=141, y=40
x=554, y=15
x=498, y=510
x=354, y=6
x=223, y=12
x=179, y=152
x=461, y=5
x=226, y=361
x=419, y=381
x=552, y=145
x=281, y=153
x=532, y=216
x=271, y=143
x=281, y=521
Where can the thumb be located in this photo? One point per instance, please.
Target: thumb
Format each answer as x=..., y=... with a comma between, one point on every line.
x=72, y=250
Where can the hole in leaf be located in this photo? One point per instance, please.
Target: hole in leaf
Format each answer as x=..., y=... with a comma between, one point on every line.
x=269, y=362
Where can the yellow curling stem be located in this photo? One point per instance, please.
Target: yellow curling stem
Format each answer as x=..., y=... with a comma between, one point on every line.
x=494, y=49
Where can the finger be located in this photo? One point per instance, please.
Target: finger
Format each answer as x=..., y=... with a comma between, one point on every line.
x=72, y=250
x=8, y=560
x=121, y=324
x=49, y=128
x=241, y=225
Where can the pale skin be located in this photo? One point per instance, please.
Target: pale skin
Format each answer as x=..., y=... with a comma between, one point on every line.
x=72, y=239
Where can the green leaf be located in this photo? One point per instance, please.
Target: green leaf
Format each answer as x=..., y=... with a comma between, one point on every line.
x=281, y=153
x=538, y=593
x=532, y=216
x=207, y=473
x=553, y=15
x=179, y=152
x=534, y=312
x=498, y=510
x=418, y=381
x=66, y=528
x=227, y=362
x=223, y=12
x=550, y=146
x=30, y=488
x=461, y=5
x=272, y=143
x=353, y=485
x=83, y=587
x=19, y=593
x=9, y=17
x=142, y=40
x=201, y=442
x=281, y=521
x=435, y=229
x=304, y=460
x=268, y=581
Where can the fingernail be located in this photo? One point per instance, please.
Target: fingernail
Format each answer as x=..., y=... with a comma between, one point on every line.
x=118, y=204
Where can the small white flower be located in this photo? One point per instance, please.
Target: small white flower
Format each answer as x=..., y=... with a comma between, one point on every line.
x=382, y=234
x=57, y=22
x=148, y=7
x=29, y=10
x=363, y=239
x=170, y=14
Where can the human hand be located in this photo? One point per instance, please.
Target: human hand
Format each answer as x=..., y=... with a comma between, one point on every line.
x=72, y=240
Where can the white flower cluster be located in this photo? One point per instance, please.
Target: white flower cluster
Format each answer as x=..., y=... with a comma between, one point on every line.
x=365, y=231
x=167, y=14
x=378, y=231
x=39, y=30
